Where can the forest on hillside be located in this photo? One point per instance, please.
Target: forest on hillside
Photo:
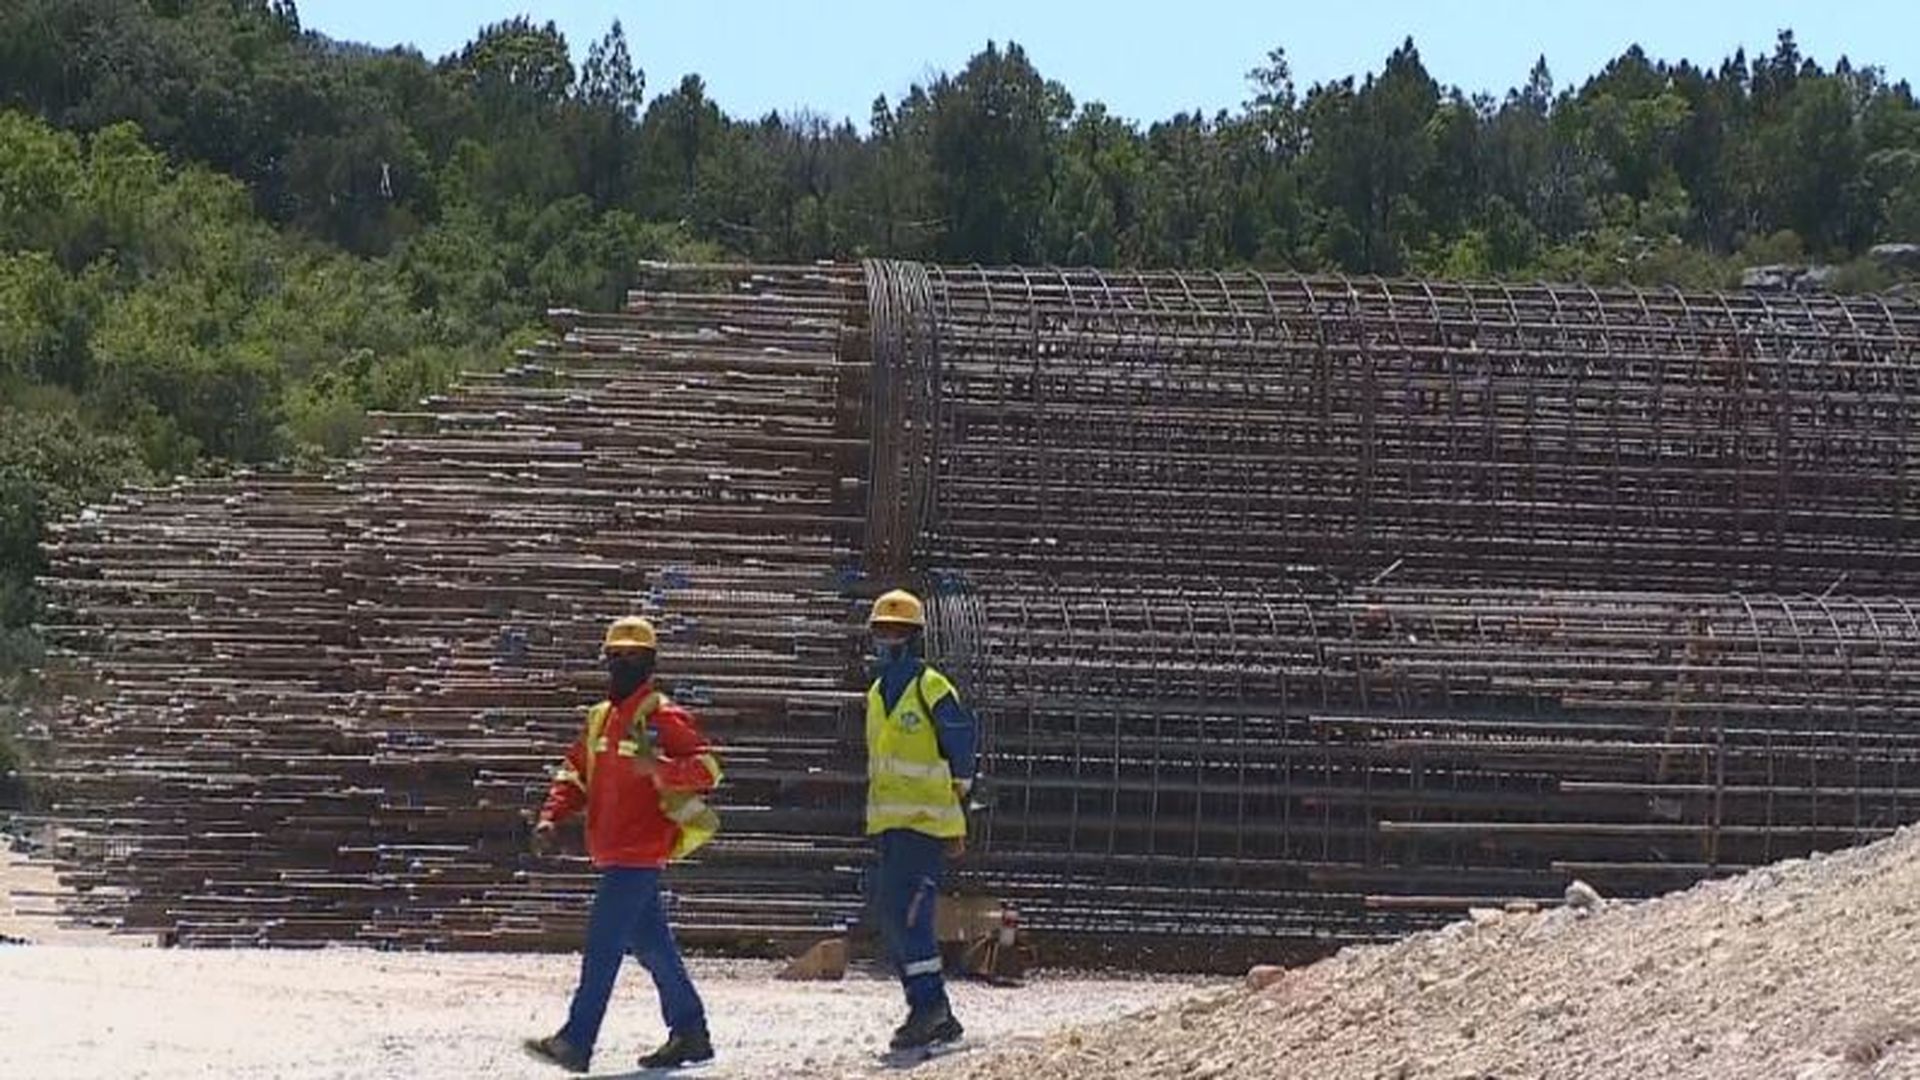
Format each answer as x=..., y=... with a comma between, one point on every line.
x=224, y=239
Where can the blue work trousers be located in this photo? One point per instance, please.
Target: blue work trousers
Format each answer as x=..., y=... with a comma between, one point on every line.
x=628, y=913
x=906, y=887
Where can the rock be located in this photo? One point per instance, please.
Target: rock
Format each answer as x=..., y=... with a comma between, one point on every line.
x=1194, y=1006
x=1781, y=277
x=1765, y=277
x=1583, y=897
x=1483, y=916
x=1532, y=1007
x=1427, y=979
x=1816, y=278
x=1896, y=256
x=1262, y=976
x=1523, y=907
x=826, y=961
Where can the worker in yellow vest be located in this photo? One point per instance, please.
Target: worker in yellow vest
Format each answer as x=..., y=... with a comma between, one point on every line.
x=920, y=766
x=638, y=769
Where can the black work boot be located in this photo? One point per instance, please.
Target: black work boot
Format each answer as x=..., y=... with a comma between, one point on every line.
x=556, y=1050
x=681, y=1049
x=928, y=1027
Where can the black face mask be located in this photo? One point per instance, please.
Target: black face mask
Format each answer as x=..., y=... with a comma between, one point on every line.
x=886, y=654
x=627, y=673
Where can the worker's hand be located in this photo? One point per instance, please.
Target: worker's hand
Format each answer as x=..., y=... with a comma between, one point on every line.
x=957, y=846
x=544, y=837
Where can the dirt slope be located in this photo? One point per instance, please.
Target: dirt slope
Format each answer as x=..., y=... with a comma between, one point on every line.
x=1807, y=969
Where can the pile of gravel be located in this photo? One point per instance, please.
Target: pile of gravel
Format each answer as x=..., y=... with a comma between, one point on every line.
x=1809, y=969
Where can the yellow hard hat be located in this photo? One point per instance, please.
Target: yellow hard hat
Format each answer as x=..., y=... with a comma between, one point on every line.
x=898, y=608
x=630, y=632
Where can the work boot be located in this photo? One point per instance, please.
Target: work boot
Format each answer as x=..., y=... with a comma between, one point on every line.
x=928, y=1026
x=556, y=1050
x=681, y=1049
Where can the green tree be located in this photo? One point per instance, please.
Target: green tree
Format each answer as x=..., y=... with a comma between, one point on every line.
x=52, y=462
x=1370, y=154
x=992, y=143
x=610, y=91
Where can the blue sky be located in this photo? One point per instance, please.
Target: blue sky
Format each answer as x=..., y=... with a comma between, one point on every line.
x=1145, y=60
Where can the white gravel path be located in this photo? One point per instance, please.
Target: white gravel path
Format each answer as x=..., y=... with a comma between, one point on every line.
x=79, y=1011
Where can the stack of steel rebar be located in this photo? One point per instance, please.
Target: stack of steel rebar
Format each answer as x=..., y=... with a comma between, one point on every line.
x=1307, y=609
x=329, y=705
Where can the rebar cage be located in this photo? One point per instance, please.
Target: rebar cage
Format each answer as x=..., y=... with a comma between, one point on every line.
x=1298, y=610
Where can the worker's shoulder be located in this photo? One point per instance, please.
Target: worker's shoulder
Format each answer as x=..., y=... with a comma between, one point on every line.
x=672, y=711
x=671, y=708
x=935, y=684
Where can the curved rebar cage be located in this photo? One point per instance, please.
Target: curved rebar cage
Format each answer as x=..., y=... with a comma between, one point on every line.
x=905, y=388
x=1393, y=757
x=1239, y=426
x=1308, y=608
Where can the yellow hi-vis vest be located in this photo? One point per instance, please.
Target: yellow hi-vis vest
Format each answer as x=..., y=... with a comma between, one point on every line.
x=698, y=822
x=909, y=785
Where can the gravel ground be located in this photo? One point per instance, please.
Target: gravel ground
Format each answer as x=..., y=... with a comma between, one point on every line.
x=79, y=1011
x=79, y=1002
x=1808, y=970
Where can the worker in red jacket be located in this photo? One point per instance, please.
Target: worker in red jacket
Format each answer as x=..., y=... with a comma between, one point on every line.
x=638, y=769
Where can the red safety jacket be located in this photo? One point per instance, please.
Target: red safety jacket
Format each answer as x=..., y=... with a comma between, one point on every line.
x=636, y=820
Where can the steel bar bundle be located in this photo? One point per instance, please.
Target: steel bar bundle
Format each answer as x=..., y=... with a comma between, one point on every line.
x=328, y=705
